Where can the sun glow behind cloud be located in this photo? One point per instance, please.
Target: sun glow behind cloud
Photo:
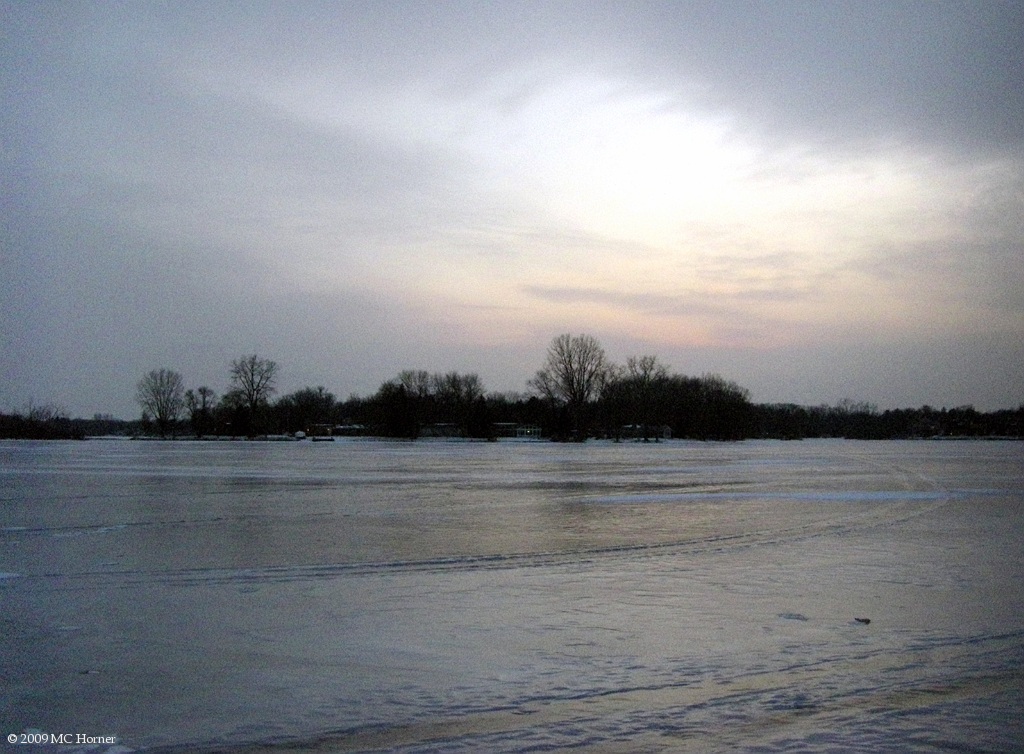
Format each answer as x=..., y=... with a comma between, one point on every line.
x=677, y=224
x=592, y=201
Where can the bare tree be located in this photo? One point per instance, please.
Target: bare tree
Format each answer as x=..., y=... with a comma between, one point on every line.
x=161, y=394
x=645, y=379
x=456, y=389
x=47, y=412
x=206, y=397
x=199, y=403
x=417, y=382
x=573, y=374
x=646, y=369
x=253, y=378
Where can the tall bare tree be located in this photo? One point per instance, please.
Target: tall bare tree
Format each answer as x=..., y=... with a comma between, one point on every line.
x=253, y=378
x=573, y=374
x=161, y=394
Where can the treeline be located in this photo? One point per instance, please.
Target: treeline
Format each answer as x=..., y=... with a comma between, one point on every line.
x=50, y=422
x=863, y=421
x=578, y=393
x=503, y=414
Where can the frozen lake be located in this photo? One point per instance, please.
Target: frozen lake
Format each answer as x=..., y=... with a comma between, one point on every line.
x=511, y=597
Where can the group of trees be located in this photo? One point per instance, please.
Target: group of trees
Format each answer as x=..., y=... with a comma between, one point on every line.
x=449, y=403
x=588, y=394
x=163, y=398
x=577, y=393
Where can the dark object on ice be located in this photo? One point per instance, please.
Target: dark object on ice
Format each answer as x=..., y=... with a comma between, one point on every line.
x=793, y=616
x=865, y=621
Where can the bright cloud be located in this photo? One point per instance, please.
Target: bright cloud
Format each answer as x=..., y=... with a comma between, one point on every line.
x=668, y=201
x=637, y=209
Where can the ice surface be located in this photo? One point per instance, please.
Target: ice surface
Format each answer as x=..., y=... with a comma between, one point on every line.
x=512, y=597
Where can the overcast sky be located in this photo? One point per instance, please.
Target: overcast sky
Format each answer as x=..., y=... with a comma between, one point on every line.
x=819, y=201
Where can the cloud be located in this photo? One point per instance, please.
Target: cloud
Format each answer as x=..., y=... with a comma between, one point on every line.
x=850, y=75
